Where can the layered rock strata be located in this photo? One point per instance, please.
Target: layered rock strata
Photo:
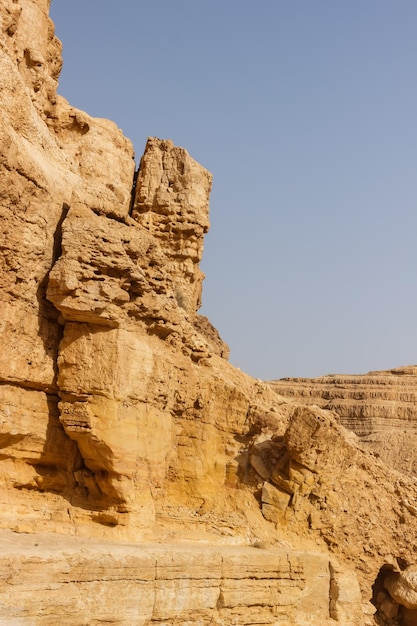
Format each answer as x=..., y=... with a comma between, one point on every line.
x=121, y=419
x=193, y=584
x=380, y=407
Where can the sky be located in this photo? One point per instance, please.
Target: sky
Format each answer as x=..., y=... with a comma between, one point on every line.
x=305, y=111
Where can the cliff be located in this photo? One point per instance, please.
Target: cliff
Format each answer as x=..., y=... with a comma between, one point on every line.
x=143, y=479
x=380, y=407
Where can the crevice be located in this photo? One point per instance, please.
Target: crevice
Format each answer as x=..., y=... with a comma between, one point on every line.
x=60, y=459
x=57, y=245
x=133, y=192
x=50, y=328
x=29, y=178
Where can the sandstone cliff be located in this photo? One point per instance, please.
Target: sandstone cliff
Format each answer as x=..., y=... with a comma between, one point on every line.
x=137, y=466
x=380, y=407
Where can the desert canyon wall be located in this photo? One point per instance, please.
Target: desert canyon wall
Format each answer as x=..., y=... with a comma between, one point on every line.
x=380, y=407
x=143, y=479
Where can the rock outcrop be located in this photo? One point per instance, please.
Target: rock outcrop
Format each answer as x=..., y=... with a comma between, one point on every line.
x=380, y=407
x=152, y=584
x=138, y=468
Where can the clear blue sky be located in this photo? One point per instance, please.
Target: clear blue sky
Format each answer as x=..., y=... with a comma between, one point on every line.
x=305, y=111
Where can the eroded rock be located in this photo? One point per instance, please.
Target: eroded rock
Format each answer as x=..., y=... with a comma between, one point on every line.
x=402, y=587
x=120, y=417
x=380, y=407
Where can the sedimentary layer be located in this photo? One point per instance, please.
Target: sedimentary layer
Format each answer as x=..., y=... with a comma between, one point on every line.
x=380, y=407
x=73, y=582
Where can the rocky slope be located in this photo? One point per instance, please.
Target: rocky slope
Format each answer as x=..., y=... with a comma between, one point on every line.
x=135, y=462
x=380, y=407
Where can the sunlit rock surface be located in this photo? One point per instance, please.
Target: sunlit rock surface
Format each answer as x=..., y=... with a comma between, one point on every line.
x=143, y=479
x=380, y=407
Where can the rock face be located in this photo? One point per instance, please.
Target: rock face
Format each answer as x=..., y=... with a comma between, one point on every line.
x=380, y=407
x=137, y=466
x=157, y=584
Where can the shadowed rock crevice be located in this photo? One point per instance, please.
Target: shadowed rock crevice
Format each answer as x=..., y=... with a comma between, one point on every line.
x=133, y=194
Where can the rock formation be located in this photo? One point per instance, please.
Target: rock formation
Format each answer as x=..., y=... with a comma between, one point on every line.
x=139, y=471
x=380, y=407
